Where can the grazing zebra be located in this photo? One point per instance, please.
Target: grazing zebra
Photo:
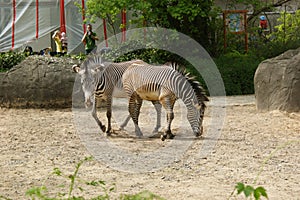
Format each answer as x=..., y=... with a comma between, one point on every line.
x=165, y=84
x=103, y=81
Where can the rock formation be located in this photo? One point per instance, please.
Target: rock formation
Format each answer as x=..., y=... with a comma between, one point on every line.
x=38, y=81
x=277, y=83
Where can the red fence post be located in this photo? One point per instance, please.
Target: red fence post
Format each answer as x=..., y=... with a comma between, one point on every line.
x=13, y=25
x=123, y=25
x=83, y=15
x=62, y=16
x=105, y=33
x=37, y=19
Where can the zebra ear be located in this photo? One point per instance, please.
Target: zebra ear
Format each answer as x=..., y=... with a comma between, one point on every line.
x=76, y=68
x=94, y=71
x=99, y=68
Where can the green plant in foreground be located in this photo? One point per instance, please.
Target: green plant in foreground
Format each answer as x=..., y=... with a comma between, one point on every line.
x=248, y=190
x=41, y=192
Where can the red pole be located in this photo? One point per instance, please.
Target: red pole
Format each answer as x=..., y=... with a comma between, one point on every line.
x=105, y=33
x=83, y=16
x=62, y=16
x=37, y=19
x=13, y=25
x=124, y=25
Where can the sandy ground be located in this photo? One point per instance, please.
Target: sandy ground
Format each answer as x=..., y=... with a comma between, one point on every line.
x=35, y=141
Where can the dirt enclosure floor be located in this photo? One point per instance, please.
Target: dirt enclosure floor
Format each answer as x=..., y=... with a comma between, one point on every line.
x=35, y=141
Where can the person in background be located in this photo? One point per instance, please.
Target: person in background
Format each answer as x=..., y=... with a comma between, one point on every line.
x=263, y=24
x=28, y=51
x=263, y=28
x=57, y=38
x=64, y=43
x=89, y=39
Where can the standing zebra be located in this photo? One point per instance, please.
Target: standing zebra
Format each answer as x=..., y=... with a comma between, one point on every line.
x=103, y=81
x=165, y=84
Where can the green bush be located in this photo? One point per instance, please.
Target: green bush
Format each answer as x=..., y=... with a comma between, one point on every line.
x=237, y=71
x=10, y=59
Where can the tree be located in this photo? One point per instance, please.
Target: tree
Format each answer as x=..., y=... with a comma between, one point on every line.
x=191, y=17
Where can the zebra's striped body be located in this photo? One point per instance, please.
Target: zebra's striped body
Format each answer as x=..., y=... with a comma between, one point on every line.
x=103, y=81
x=164, y=84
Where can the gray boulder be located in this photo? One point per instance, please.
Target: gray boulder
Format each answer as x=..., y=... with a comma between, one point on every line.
x=38, y=81
x=277, y=83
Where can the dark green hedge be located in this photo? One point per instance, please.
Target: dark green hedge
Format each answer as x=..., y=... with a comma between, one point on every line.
x=237, y=71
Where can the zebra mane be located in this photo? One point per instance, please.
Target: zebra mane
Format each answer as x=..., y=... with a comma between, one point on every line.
x=92, y=62
x=198, y=89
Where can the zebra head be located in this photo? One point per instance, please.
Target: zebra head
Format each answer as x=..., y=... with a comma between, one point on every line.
x=87, y=72
x=88, y=76
x=195, y=113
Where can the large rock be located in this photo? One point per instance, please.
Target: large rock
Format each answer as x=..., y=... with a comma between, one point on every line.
x=38, y=81
x=277, y=83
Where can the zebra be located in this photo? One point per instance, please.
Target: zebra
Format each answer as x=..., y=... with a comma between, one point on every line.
x=103, y=81
x=165, y=84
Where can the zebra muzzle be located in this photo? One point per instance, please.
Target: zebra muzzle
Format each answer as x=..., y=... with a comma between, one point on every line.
x=88, y=103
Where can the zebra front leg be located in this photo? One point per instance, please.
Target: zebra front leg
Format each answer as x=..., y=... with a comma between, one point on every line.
x=94, y=114
x=168, y=105
x=108, y=115
x=168, y=133
x=157, y=107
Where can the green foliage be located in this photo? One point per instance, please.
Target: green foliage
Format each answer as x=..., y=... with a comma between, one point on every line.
x=249, y=191
x=194, y=18
x=289, y=27
x=41, y=193
x=76, y=56
x=10, y=59
x=237, y=71
x=135, y=49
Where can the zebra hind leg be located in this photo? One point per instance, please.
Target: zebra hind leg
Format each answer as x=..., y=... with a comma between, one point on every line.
x=168, y=104
x=134, y=106
x=157, y=107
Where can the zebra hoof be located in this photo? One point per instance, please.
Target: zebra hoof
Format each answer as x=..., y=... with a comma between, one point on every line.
x=108, y=133
x=103, y=128
x=199, y=134
x=163, y=137
x=170, y=136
